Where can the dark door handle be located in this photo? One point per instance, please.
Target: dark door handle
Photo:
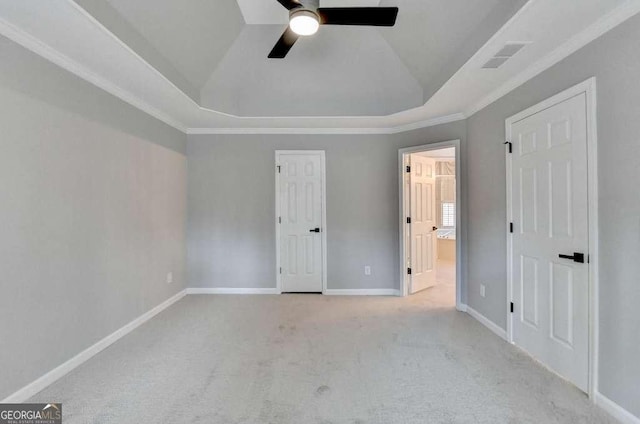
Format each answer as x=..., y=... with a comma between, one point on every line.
x=315, y=230
x=435, y=228
x=577, y=257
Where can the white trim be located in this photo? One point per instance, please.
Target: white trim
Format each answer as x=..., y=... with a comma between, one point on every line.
x=594, y=235
x=324, y=222
x=277, y=222
x=60, y=371
x=232, y=290
x=52, y=55
x=332, y=131
x=298, y=131
x=587, y=87
x=509, y=263
x=575, y=43
x=615, y=410
x=460, y=225
x=362, y=292
x=323, y=233
x=496, y=329
x=428, y=123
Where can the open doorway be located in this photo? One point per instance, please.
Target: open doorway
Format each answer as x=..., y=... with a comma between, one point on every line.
x=430, y=222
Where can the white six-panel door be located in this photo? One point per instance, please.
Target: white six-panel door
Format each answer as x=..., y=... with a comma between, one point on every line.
x=422, y=230
x=550, y=213
x=300, y=197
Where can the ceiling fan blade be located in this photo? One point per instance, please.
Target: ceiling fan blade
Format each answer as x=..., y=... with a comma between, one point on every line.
x=290, y=4
x=284, y=44
x=373, y=16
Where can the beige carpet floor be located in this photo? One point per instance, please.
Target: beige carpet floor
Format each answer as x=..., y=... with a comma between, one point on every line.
x=296, y=359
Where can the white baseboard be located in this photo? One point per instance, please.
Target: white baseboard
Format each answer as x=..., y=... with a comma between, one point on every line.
x=230, y=290
x=362, y=292
x=486, y=322
x=38, y=385
x=615, y=410
x=328, y=292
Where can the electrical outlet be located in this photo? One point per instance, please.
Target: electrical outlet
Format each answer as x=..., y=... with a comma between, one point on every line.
x=367, y=270
x=483, y=290
x=170, y=278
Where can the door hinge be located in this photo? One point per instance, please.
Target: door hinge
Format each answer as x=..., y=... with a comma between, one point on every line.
x=408, y=168
x=280, y=270
x=278, y=168
x=512, y=307
x=511, y=227
x=408, y=220
x=409, y=271
x=510, y=145
x=279, y=220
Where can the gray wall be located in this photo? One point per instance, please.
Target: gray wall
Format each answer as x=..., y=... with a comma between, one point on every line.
x=92, y=200
x=231, y=224
x=93, y=208
x=614, y=60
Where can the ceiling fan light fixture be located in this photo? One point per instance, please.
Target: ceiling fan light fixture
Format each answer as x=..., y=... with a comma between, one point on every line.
x=304, y=22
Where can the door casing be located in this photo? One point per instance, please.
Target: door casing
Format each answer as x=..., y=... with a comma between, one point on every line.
x=403, y=154
x=587, y=87
x=323, y=233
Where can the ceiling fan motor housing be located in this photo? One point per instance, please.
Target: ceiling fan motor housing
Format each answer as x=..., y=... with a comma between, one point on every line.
x=303, y=12
x=311, y=5
x=306, y=16
x=306, y=6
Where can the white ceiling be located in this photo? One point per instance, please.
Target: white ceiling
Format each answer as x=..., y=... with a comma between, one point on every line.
x=433, y=32
x=322, y=75
x=341, y=71
x=193, y=34
x=66, y=34
x=270, y=12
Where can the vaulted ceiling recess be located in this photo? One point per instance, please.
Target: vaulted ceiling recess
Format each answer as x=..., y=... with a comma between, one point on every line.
x=203, y=66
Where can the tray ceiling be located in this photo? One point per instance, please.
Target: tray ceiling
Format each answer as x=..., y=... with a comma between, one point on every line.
x=220, y=48
x=124, y=54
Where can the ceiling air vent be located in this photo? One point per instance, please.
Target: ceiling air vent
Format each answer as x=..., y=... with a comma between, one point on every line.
x=506, y=53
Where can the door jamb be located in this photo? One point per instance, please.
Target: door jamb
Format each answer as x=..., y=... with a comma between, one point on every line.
x=460, y=226
x=323, y=233
x=589, y=88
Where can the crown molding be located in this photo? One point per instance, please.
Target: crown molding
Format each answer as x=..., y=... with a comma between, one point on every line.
x=52, y=55
x=330, y=131
x=284, y=131
x=428, y=123
x=599, y=28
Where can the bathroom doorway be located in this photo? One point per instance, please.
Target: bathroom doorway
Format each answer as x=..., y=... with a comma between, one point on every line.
x=430, y=222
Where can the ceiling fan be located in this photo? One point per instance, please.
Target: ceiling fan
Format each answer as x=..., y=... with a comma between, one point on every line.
x=306, y=16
